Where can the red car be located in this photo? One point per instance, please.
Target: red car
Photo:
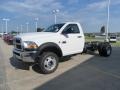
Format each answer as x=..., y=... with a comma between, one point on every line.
x=5, y=37
x=10, y=38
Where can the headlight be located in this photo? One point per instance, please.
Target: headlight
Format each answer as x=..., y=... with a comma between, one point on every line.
x=30, y=45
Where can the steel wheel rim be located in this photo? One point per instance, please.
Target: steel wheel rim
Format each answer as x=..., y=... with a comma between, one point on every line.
x=50, y=63
x=108, y=51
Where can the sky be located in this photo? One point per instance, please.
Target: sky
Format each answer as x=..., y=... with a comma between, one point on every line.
x=92, y=14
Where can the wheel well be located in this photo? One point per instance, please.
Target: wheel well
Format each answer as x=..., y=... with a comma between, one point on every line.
x=50, y=47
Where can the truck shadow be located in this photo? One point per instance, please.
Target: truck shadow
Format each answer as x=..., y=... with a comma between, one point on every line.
x=26, y=66
x=36, y=68
x=96, y=73
x=19, y=64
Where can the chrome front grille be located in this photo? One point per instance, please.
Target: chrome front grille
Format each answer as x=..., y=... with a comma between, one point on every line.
x=18, y=40
x=18, y=44
x=18, y=47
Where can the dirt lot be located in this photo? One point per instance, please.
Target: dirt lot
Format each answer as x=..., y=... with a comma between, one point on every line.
x=80, y=72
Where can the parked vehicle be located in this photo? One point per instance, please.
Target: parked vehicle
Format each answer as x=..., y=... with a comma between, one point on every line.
x=5, y=36
x=47, y=47
x=10, y=38
x=1, y=34
x=113, y=39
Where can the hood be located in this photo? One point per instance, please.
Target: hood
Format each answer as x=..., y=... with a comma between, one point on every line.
x=33, y=35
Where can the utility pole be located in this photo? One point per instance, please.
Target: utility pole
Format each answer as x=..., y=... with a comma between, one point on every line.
x=108, y=19
x=6, y=22
x=27, y=27
x=36, y=24
x=2, y=28
x=17, y=29
x=21, y=27
x=55, y=14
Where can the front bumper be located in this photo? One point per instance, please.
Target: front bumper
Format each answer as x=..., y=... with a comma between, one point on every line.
x=26, y=56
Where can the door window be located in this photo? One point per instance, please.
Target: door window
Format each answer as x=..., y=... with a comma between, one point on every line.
x=71, y=28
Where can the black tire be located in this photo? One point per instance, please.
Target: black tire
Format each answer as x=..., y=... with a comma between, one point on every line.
x=47, y=65
x=85, y=50
x=100, y=50
x=105, y=50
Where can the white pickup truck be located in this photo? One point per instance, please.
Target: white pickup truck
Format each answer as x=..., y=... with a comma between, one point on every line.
x=47, y=47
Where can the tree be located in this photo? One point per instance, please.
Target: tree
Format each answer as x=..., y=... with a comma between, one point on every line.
x=40, y=29
x=102, y=31
x=13, y=32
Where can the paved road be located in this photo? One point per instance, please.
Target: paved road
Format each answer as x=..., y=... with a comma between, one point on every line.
x=97, y=73
x=3, y=85
x=80, y=72
x=2, y=71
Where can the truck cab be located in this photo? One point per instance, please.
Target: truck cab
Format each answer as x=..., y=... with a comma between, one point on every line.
x=48, y=46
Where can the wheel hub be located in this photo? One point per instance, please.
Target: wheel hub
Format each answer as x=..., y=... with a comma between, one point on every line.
x=108, y=51
x=50, y=63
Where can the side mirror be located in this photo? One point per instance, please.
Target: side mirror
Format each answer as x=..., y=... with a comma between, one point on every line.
x=64, y=33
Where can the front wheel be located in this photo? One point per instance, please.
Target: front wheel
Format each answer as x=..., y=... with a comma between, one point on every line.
x=48, y=62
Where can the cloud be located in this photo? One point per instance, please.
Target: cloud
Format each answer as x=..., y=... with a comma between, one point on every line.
x=102, y=4
x=91, y=14
x=72, y=2
x=97, y=5
x=33, y=7
x=115, y=2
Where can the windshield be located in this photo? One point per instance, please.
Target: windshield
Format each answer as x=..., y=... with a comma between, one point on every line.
x=112, y=37
x=54, y=28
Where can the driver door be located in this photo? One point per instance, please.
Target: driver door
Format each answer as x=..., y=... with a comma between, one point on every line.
x=72, y=40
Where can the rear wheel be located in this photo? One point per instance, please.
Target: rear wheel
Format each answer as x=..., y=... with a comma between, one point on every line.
x=105, y=50
x=48, y=62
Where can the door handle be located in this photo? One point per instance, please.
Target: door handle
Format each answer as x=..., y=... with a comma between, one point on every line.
x=63, y=42
x=79, y=36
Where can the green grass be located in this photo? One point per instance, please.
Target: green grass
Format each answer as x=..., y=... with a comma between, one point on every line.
x=88, y=39
x=117, y=44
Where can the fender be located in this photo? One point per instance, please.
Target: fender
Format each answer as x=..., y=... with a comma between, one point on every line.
x=49, y=46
